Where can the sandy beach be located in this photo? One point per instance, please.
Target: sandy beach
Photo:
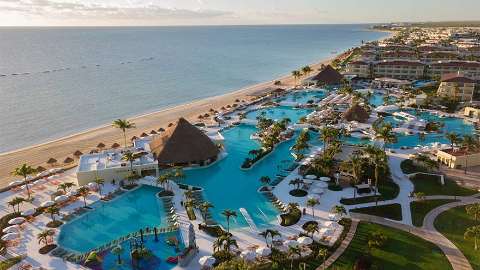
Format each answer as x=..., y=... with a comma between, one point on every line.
x=86, y=141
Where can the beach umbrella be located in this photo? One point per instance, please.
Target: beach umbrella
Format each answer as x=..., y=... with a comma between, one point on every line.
x=200, y=116
x=248, y=255
x=325, y=179
x=211, y=110
x=143, y=135
x=290, y=243
x=101, y=145
x=15, y=183
x=314, y=196
x=77, y=153
x=72, y=193
x=161, y=129
x=47, y=203
x=317, y=190
x=311, y=176
x=153, y=132
x=28, y=212
x=68, y=160
x=263, y=251
x=207, y=261
x=10, y=236
x=133, y=138
x=170, y=124
x=61, y=198
x=304, y=240
x=16, y=221
x=40, y=169
x=92, y=185
x=321, y=185
x=11, y=229
x=51, y=161
x=93, y=151
x=115, y=145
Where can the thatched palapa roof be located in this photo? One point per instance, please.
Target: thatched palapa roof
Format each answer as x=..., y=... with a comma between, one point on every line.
x=101, y=145
x=183, y=143
x=68, y=160
x=328, y=76
x=356, y=113
x=77, y=153
x=51, y=161
x=115, y=145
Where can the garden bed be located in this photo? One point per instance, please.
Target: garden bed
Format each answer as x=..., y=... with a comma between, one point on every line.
x=298, y=193
x=388, y=190
x=46, y=249
x=290, y=218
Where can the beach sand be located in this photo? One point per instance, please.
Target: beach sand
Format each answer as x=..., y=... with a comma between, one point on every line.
x=86, y=141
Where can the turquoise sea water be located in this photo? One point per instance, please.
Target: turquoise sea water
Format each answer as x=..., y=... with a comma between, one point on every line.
x=131, y=212
x=59, y=81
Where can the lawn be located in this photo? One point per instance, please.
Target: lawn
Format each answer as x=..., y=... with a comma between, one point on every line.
x=401, y=251
x=408, y=167
x=430, y=185
x=390, y=211
x=388, y=189
x=420, y=209
x=452, y=224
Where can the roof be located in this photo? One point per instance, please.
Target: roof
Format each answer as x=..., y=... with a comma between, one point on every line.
x=182, y=143
x=457, y=64
x=456, y=77
x=356, y=113
x=358, y=62
x=328, y=75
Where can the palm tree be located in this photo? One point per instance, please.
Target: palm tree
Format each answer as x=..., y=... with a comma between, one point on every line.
x=228, y=214
x=292, y=253
x=204, y=207
x=264, y=234
x=312, y=202
x=357, y=164
x=306, y=70
x=118, y=250
x=44, y=236
x=17, y=201
x=24, y=171
x=469, y=143
x=65, y=186
x=296, y=74
x=311, y=228
x=387, y=135
x=129, y=157
x=100, y=183
x=163, y=180
x=225, y=242
x=473, y=210
x=84, y=192
x=339, y=210
x=473, y=232
x=123, y=125
x=52, y=210
x=454, y=138
x=322, y=253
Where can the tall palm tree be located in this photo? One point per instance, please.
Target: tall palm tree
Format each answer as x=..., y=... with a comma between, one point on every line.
x=228, y=214
x=264, y=234
x=17, y=201
x=386, y=134
x=311, y=228
x=24, y=171
x=306, y=70
x=323, y=253
x=84, y=192
x=292, y=253
x=473, y=232
x=224, y=242
x=52, y=210
x=204, y=207
x=100, y=183
x=453, y=137
x=379, y=160
x=44, y=236
x=163, y=180
x=473, y=210
x=118, y=250
x=129, y=157
x=339, y=210
x=469, y=143
x=65, y=186
x=296, y=74
x=312, y=202
x=123, y=125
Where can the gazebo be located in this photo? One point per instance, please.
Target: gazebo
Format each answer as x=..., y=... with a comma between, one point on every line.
x=183, y=144
x=356, y=113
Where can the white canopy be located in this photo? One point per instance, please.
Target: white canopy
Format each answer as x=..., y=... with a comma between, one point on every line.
x=47, y=203
x=39, y=182
x=321, y=185
x=248, y=255
x=16, y=182
x=28, y=212
x=314, y=196
x=311, y=176
x=16, y=221
x=304, y=240
x=317, y=190
x=324, y=179
x=61, y=198
x=206, y=261
x=10, y=236
x=263, y=251
x=92, y=185
x=11, y=229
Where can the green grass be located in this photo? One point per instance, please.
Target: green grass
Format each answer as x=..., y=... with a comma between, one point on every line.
x=452, y=224
x=390, y=211
x=420, y=209
x=8, y=263
x=388, y=189
x=430, y=185
x=409, y=167
x=401, y=251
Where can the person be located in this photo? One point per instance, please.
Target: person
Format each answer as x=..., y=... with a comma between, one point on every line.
x=304, y=211
x=113, y=181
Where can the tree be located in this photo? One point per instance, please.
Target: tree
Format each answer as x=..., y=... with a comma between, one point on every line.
x=376, y=240
x=100, y=182
x=296, y=74
x=44, y=236
x=387, y=135
x=473, y=210
x=265, y=180
x=312, y=202
x=292, y=253
x=123, y=125
x=228, y=214
x=118, y=250
x=378, y=159
x=24, y=171
x=322, y=253
x=296, y=183
x=469, y=143
x=65, y=186
x=306, y=70
x=129, y=157
x=454, y=138
x=473, y=233
x=224, y=242
x=163, y=180
x=52, y=210
x=84, y=192
x=204, y=207
x=311, y=228
x=339, y=210
x=17, y=201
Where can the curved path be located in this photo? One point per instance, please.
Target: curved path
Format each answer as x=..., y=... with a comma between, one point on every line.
x=343, y=246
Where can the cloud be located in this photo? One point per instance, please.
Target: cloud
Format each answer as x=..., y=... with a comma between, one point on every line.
x=84, y=10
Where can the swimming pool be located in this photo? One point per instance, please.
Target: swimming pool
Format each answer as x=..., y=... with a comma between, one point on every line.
x=111, y=220
x=302, y=97
x=280, y=112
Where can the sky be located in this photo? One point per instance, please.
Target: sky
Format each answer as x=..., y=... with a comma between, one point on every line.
x=229, y=12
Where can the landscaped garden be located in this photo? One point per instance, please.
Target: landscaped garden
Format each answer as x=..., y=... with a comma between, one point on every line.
x=388, y=190
x=430, y=185
x=390, y=211
x=453, y=225
x=379, y=247
x=420, y=209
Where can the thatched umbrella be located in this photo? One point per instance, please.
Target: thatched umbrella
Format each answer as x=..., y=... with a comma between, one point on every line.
x=170, y=124
x=52, y=161
x=94, y=151
x=161, y=129
x=153, y=132
x=133, y=138
x=101, y=145
x=212, y=109
x=40, y=169
x=143, y=135
x=237, y=100
x=228, y=106
x=200, y=116
x=77, y=154
x=223, y=108
x=206, y=115
x=68, y=160
x=235, y=105
x=215, y=111
x=115, y=145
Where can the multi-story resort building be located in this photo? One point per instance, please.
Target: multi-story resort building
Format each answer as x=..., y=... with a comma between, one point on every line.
x=397, y=69
x=362, y=69
x=458, y=158
x=470, y=69
x=398, y=55
x=457, y=86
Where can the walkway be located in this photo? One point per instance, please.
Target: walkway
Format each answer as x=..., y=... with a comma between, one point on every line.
x=343, y=246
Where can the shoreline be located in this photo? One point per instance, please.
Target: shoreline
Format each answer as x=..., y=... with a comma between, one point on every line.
x=87, y=140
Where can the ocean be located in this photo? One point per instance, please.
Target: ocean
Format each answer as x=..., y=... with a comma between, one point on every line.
x=59, y=81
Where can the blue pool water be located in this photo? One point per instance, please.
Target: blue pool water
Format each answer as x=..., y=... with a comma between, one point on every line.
x=303, y=97
x=161, y=251
x=130, y=212
x=278, y=113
